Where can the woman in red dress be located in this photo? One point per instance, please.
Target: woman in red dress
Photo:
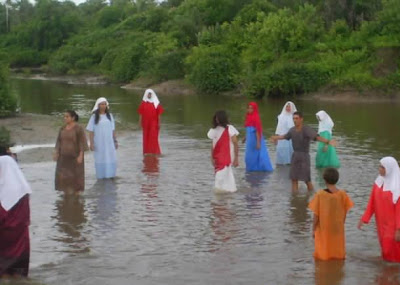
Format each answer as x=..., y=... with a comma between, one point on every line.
x=150, y=111
x=14, y=219
x=385, y=204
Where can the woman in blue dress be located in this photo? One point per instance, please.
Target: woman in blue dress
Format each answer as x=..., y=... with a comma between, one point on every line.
x=284, y=148
x=256, y=157
x=103, y=141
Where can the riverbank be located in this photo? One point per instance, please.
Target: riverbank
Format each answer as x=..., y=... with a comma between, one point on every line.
x=181, y=87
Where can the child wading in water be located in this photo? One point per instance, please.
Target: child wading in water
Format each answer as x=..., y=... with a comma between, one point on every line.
x=330, y=207
x=224, y=151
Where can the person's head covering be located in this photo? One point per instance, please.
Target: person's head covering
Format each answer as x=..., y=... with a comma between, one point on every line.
x=325, y=122
x=285, y=119
x=391, y=180
x=13, y=185
x=253, y=119
x=98, y=101
x=153, y=99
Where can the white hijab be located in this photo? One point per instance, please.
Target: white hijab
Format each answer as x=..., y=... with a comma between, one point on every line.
x=285, y=119
x=153, y=99
x=13, y=185
x=391, y=180
x=325, y=122
x=98, y=101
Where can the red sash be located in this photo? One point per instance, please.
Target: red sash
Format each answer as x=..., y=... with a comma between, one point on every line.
x=222, y=151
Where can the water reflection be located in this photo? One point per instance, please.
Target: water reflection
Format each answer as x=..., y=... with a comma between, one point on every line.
x=389, y=275
x=151, y=171
x=299, y=216
x=222, y=221
x=106, y=206
x=329, y=272
x=71, y=219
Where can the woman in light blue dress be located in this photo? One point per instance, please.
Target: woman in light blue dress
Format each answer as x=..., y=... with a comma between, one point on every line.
x=284, y=148
x=103, y=141
x=256, y=157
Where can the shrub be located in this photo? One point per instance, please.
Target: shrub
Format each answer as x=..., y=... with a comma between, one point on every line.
x=8, y=103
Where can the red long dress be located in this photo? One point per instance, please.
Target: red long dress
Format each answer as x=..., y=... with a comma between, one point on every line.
x=387, y=217
x=14, y=239
x=151, y=127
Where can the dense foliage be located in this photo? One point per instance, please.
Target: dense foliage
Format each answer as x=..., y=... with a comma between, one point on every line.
x=8, y=103
x=262, y=47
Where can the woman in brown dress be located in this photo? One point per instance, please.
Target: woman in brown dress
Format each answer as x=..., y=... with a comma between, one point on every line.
x=69, y=154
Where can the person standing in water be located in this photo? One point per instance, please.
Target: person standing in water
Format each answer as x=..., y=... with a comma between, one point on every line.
x=284, y=148
x=301, y=136
x=150, y=111
x=103, y=140
x=69, y=154
x=224, y=152
x=330, y=207
x=256, y=157
x=384, y=203
x=14, y=220
x=326, y=154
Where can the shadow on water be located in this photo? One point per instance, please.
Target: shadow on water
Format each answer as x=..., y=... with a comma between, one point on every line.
x=388, y=275
x=71, y=220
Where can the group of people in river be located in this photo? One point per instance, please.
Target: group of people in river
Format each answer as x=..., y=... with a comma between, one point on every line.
x=292, y=138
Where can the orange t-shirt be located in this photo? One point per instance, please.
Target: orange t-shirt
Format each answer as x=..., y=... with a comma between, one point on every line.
x=331, y=208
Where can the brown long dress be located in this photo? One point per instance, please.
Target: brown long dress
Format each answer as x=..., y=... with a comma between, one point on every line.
x=70, y=175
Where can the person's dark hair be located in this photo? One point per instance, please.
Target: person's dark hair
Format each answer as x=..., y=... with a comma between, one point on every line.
x=97, y=115
x=3, y=150
x=220, y=119
x=331, y=176
x=73, y=115
x=298, y=113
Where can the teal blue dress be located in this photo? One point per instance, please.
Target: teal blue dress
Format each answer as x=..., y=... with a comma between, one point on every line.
x=326, y=157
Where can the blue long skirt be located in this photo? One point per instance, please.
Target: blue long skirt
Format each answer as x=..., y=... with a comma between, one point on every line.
x=284, y=152
x=256, y=159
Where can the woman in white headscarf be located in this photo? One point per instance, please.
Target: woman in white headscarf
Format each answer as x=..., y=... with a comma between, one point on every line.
x=284, y=148
x=326, y=154
x=150, y=111
x=103, y=140
x=385, y=205
x=14, y=219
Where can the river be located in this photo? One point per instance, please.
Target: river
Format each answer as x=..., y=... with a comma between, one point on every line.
x=160, y=222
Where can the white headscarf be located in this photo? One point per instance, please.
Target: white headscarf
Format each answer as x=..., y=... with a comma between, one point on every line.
x=153, y=99
x=285, y=119
x=325, y=122
x=98, y=101
x=391, y=180
x=13, y=185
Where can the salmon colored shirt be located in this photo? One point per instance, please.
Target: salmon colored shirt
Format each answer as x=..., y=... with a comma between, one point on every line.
x=331, y=208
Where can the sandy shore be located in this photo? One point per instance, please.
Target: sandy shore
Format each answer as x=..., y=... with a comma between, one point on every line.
x=34, y=135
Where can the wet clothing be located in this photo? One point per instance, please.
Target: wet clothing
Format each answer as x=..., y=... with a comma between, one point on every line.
x=256, y=159
x=14, y=239
x=70, y=175
x=326, y=154
x=387, y=217
x=300, y=166
x=223, y=155
x=284, y=149
x=331, y=209
x=150, y=126
x=105, y=154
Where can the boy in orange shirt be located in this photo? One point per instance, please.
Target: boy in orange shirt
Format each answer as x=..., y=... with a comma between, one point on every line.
x=330, y=207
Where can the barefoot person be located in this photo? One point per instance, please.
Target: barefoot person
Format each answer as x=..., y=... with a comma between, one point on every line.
x=69, y=154
x=103, y=140
x=150, y=111
x=14, y=220
x=301, y=136
x=224, y=152
x=384, y=203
